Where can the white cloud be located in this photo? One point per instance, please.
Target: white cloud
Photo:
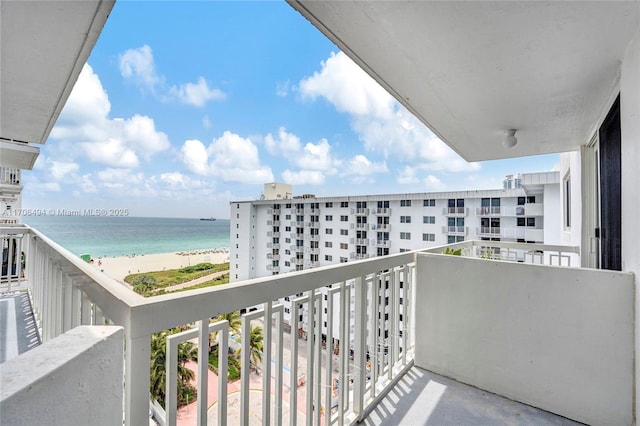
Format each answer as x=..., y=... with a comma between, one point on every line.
x=361, y=165
x=205, y=122
x=382, y=124
x=432, y=183
x=59, y=169
x=303, y=177
x=230, y=157
x=112, y=175
x=408, y=176
x=286, y=143
x=313, y=157
x=196, y=94
x=317, y=157
x=115, y=142
x=138, y=65
x=195, y=157
x=36, y=185
x=86, y=184
x=348, y=88
x=112, y=152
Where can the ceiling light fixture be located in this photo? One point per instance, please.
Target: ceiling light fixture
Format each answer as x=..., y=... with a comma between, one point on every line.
x=510, y=139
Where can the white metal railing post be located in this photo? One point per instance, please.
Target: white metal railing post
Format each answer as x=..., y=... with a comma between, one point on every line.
x=279, y=310
x=266, y=363
x=329, y=356
x=310, y=358
x=203, y=370
x=374, y=340
x=343, y=385
x=391, y=353
x=317, y=347
x=359, y=359
x=244, y=370
x=293, y=379
x=223, y=355
x=171, y=380
x=137, y=367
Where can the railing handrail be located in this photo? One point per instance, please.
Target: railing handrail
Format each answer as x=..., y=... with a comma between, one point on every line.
x=113, y=298
x=503, y=244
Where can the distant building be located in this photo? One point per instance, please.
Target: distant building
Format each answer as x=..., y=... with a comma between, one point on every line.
x=279, y=234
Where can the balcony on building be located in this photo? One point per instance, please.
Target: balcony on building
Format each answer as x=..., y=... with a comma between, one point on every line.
x=539, y=330
x=383, y=243
x=455, y=211
x=425, y=287
x=489, y=211
x=456, y=230
x=382, y=211
x=10, y=180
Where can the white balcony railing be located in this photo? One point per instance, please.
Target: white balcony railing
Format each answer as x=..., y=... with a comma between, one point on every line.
x=9, y=176
x=488, y=211
x=455, y=230
x=455, y=211
x=67, y=292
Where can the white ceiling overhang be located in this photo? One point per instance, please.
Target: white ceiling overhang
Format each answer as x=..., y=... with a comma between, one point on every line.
x=470, y=70
x=18, y=155
x=43, y=46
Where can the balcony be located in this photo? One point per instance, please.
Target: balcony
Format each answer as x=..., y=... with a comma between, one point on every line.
x=273, y=223
x=383, y=211
x=314, y=225
x=273, y=268
x=488, y=211
x=381, y=227
x=383, y=243
x=273, y=234
x=558, y=338
x=10, y=181
x=455, y=230
x=273, y=245
x=487, y=231
x=272, y=256
x=455, y=211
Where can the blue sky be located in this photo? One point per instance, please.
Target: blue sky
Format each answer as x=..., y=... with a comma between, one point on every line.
x=186, y=106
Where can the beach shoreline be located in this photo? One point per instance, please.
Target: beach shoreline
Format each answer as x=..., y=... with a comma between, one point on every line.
x=119, y=267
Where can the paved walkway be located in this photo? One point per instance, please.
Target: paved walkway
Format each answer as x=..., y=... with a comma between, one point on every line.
x=18, y=332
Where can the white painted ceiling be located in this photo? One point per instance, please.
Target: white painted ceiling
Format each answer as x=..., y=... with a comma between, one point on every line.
x=470, y=70
x=43, y=47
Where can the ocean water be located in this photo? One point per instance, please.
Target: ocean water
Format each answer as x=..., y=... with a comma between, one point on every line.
x=118, y=236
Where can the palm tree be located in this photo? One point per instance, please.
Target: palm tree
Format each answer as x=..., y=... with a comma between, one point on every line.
x=256, y=346
x=186, y=352
x=158, y=366
x=235, y=326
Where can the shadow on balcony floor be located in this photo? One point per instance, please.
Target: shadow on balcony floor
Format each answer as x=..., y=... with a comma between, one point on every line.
x=425, y=398
x=18, y=332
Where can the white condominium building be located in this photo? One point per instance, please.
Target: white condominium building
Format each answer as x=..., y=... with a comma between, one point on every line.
x=282, y=233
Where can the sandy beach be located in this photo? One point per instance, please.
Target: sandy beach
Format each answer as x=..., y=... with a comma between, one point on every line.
x=121, y=266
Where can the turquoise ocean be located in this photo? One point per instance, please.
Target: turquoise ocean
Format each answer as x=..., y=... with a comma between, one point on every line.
x=118, y=236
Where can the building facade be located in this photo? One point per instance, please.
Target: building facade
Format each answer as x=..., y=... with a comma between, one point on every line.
x=276, y=235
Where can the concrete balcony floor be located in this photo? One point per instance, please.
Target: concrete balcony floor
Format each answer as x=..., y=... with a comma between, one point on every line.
x=18, y=332
x=425, y=398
